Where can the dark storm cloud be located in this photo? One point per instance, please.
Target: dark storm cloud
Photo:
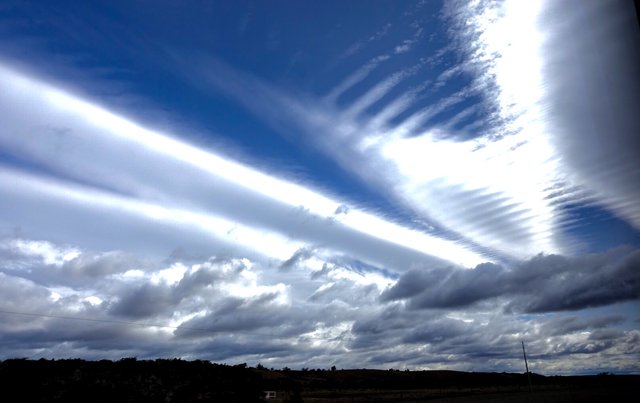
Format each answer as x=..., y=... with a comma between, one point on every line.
x=589, y=281
x=241, y=315
x=147, y=300
x=544, y=283
x=563, y=325
x=448, y=287
x=386, y=325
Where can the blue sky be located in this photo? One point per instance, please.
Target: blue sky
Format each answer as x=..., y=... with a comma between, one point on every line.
x=362, y=184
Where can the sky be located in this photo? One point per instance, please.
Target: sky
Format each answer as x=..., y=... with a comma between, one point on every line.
x=380, y=184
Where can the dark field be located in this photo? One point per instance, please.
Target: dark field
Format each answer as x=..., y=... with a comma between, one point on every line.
x=130, y=380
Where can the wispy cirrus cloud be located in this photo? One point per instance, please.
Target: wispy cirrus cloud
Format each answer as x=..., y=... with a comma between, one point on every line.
x=426, y=172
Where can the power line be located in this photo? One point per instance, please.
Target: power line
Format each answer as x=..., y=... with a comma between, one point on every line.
x=139, y=324
x=119, y=322
x=122, y=322
x=526, y=365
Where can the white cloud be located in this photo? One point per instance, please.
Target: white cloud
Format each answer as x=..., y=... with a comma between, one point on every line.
x=402, y=48
x=40, y=250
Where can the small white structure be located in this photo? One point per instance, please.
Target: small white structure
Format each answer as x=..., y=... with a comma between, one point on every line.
x=269, y=394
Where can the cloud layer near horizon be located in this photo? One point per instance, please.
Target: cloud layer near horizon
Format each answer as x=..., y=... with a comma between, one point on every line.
x=235, y=310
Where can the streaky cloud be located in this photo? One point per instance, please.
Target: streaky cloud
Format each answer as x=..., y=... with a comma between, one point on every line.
x=120, y=143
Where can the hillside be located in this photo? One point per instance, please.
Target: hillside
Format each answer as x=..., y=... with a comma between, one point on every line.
x=132, y=380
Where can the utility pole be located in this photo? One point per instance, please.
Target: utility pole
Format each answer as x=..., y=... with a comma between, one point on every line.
x=524, y=353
